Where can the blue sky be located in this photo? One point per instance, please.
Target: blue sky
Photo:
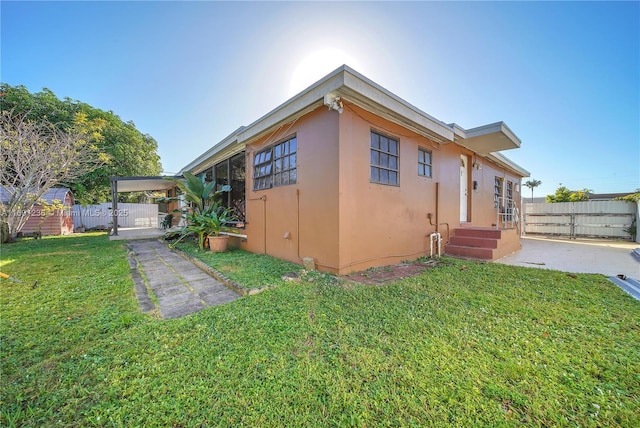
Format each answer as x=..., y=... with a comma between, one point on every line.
x=564, y=76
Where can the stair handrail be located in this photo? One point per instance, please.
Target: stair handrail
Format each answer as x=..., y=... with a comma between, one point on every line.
x=507, y=213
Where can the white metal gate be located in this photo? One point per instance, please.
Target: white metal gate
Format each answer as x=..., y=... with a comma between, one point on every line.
x=129, y=215
x=597, y=219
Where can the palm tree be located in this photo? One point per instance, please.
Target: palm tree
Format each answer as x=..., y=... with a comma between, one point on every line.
x=532, y=184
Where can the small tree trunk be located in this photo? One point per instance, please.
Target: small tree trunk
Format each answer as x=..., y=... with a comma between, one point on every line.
x=5, y=236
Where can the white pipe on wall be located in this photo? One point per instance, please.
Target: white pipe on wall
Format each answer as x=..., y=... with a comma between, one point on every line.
x=435, y=240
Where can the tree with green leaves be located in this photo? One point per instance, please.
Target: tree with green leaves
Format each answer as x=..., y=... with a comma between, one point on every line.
x=128, y=151
x=532, y=184
x=563, y=194
x=631, y=197
x=36, y=156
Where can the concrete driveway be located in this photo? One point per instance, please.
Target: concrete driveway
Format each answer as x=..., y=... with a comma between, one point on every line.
x=609, y=258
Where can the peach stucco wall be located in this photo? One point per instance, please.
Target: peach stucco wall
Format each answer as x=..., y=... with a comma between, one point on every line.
x=335, y=215
x=301, y=219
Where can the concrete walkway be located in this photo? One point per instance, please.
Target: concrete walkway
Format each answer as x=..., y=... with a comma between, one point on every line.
x=609, y=258
x=179, y=286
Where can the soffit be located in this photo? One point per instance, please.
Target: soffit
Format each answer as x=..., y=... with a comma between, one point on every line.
x=141, y=184
x=357, y=89
x=487, y=139
x=230, y=150
x=507, y=163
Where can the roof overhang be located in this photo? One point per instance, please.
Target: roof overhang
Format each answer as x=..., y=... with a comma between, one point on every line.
x=351, y=86
x=224, y=149
x=346, y=84
x=507, y=163
x=487, y=139
x=141, y=184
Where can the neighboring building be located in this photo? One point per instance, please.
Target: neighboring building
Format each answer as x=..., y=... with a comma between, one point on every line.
x=45, y=222
x=352, y=176
x=536, y=200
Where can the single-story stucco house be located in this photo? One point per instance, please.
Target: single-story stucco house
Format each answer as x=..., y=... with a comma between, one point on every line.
x=349, y=176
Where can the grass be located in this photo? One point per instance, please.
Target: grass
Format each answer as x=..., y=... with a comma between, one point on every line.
x=463, y=344
x=247, y=269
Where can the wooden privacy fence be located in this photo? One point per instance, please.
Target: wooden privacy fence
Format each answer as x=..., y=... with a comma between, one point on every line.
x=595, y=219
x=129, y=215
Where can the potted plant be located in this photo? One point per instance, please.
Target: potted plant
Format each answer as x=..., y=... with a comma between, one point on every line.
x=215, y=223
x=196, y=224
x=206, y=216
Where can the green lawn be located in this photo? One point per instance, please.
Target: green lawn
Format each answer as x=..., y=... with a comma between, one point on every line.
x=247, y=269
x=465, y=344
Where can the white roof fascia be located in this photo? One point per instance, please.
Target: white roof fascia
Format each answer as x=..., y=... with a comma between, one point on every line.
x=354, y=87
x=504, y=161
x=486, y=139
x=399, y=111
x=458, y=131
x=224, y=153
x=228, y=141
x=299, y=105
x=347, y=83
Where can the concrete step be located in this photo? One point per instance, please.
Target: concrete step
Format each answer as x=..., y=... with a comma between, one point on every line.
x=467, y=251
x=472, y=241
x=478, y=232
x=482, y=243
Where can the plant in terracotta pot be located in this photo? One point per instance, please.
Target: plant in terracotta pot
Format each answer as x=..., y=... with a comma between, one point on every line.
x=205, y=216
x=216, y=221
x=196, y=224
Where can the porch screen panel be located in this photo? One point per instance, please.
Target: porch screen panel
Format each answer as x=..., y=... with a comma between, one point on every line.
x=222, y=174
x=238, y=177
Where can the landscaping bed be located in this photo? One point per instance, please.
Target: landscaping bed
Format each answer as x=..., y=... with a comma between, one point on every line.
x=387, y=274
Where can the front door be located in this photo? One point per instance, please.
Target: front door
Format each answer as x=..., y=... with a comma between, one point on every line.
x=464, y=188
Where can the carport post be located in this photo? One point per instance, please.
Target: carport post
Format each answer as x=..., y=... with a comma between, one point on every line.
x=114, y=205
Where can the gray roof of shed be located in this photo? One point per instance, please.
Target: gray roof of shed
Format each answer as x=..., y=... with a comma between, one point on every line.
x=55, y=193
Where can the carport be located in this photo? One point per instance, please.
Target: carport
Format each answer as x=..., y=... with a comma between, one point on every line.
x=137, y=184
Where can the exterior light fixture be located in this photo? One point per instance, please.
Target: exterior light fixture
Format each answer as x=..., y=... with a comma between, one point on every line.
x=334, y=102
x=336, y=105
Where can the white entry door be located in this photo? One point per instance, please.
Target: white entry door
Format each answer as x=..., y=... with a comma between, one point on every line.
x=464, y=188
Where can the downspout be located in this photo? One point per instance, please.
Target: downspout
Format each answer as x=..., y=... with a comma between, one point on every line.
x=264, y=220
x=435, y=237
x=429, y=215
x=437, y=214
x=437, y=203
x=298, y=223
